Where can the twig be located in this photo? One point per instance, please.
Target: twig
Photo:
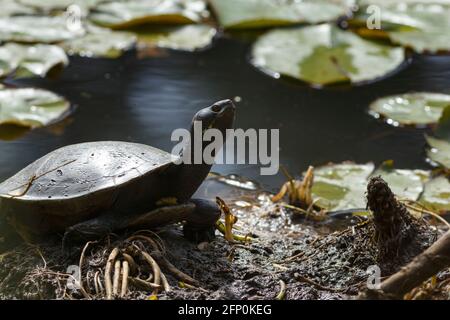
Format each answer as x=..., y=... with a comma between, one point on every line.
x=282, y=293
x=315, y=284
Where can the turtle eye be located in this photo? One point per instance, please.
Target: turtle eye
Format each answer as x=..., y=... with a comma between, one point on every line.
x=216, y=108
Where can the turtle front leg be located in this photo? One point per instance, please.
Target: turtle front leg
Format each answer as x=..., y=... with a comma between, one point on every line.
x=201, y=223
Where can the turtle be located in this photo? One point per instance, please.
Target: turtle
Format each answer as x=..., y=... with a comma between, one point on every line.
x=88, y=190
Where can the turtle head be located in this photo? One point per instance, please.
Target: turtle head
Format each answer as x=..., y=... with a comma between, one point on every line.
x=218, y=116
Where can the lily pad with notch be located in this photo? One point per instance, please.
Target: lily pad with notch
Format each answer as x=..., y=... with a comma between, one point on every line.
x=31, y=60
x=323, y=55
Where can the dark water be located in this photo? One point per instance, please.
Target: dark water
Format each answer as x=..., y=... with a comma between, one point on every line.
x=143, y=100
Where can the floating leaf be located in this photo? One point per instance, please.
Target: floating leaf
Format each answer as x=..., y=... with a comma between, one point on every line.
x=52, y=5
x=406, y=184
x=100, y=42
x=436, y=195
x=13, y=7
x=341, y=186
x=31, y=107
x=187, y=38
x=123, y=14
x=32, y=29
x=324, y=54
x=421, y=25
x=421, y=108
x=25, y=60
x=264, y=13
x=439, y=152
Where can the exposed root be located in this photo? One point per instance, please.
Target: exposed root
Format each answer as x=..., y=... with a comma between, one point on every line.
x=108, y=269
x=125, y=274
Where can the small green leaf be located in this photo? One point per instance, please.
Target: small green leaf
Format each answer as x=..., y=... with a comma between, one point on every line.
x=420, y=108
x=31, y=107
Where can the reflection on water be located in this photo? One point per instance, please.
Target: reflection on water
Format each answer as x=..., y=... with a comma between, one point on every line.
x=144, y=100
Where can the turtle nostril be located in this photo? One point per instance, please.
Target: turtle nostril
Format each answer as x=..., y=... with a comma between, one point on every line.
x=216, y=108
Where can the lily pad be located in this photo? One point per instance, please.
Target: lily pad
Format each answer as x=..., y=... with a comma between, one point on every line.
x=100, y=42
x=439, y=151
x=341, y=186
x=52, y=5
x=324, y=54
x=25, y=60
x=33, y=29
x=124, y=14
x=406, y=184
x=31, y=107
x=421, y=108
x=13, y=7
x=421, y=25
x=187, y=38
x=265, y=13
x=436, y=195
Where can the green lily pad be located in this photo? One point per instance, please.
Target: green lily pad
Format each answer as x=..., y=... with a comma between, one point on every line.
x=13, y=7
x=33, y=29
x=186, y=38
x=100, y=42
x=406, y=184
x=423, y=26
x=420, y=108
x=30, y=107
x=439, y=151
x=52, y=5
x=25, y=60
x=266, y=13
x=436, y=195
x=341, y=186
x=324, y=54
x=124, y=14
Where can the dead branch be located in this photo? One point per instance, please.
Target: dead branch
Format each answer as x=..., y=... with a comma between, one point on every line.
x=421, y=268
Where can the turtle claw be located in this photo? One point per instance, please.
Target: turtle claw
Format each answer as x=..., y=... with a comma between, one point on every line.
x=197, y=235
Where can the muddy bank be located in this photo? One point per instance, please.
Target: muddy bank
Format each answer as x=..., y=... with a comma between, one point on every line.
x=290, y=258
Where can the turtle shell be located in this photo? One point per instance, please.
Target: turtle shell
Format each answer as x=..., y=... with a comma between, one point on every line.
x=79, y=181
